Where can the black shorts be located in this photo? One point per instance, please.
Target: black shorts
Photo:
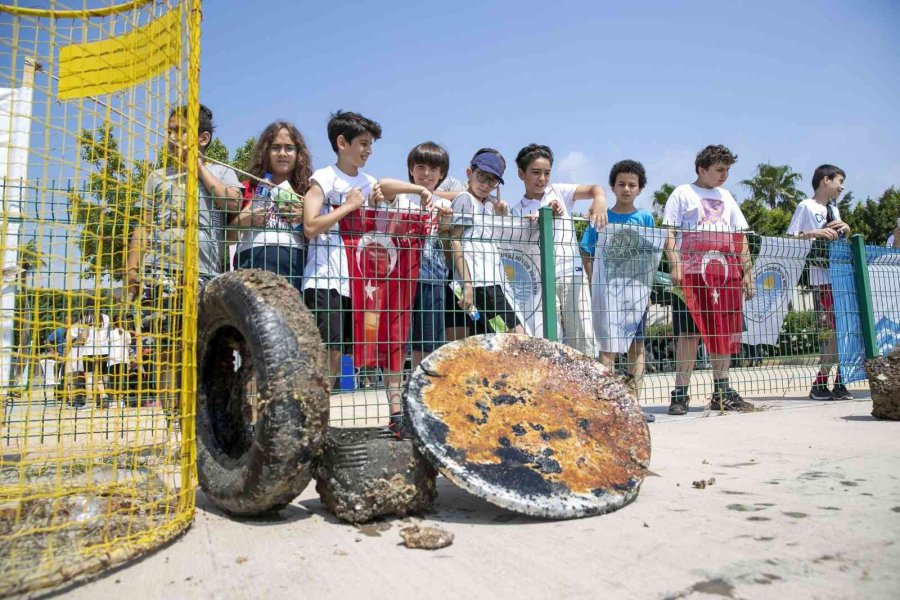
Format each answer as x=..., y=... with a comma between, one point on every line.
x=453, y=314
x=682, y=321
x=332, y=311
x=491, y=302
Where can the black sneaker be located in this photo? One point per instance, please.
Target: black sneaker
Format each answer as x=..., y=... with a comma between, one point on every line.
x=397, y=426
x=730, y=400
x=820, y=391
x=679, y=404
x=841, y=393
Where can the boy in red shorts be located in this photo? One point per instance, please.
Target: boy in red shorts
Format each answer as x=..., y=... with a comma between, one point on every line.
x=710, y=266
x=817, y=218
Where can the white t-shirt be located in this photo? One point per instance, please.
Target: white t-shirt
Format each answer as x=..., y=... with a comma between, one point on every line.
x=708, y=219
x=565, y=244
x=890, y=241
x=326, y=265
x=810, y=215
x=481, y=255
x=97, y=343
x=119, y=346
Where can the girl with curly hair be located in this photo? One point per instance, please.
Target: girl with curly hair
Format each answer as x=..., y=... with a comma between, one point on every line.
x=271, y=234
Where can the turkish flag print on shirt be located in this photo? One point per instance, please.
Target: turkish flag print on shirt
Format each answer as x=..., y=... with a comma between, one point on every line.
x=712, y=287
x=384, y=249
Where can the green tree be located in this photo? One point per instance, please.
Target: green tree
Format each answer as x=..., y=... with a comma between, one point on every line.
x=764, y=220
x=874, y=219
x=242, y=155
x=104, y=208
x=659, y=198
x=775, y=186
x=217, y=150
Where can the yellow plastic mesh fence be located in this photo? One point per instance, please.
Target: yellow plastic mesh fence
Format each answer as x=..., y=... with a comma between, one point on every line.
x=99, y=243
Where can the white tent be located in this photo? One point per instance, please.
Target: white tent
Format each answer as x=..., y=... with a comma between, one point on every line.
x=15, y=130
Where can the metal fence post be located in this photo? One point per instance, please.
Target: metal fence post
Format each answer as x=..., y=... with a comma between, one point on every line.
x=548, y=273
x=863, y=294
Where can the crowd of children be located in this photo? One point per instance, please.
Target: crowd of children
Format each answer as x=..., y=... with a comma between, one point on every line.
x=460, y=283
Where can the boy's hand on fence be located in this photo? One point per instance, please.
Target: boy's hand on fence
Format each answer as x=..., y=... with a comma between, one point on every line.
x=376, y=196
x=826, y=233
x=259, y=217
x=599, y=220
x=556, y=207
x=355, y=198
x=501, y=208
x=840, y=227
x=427, y=199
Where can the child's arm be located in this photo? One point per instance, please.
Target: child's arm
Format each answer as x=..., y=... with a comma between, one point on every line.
x=391, y=188
x=674, y=259
x=747, y=266
x=462, y=269
x=315, y=223
x=225, y=197
x=597, y=212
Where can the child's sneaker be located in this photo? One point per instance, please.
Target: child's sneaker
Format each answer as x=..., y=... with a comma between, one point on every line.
x=730, y=400
x=820, y=391
x=679, y=404
x=397, y=426
x=840, y=392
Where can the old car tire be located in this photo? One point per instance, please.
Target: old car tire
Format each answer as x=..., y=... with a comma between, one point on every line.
x=259, y=315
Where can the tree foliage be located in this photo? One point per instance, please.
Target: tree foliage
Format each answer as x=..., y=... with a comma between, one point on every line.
x=874, y=219
x=242, y=155
x=104, y=208
x=660, y=196
x=775, y=186
x=217, y=150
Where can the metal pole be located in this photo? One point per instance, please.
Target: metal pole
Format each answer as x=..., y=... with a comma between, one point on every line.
x=863, y=294
x=548, y=273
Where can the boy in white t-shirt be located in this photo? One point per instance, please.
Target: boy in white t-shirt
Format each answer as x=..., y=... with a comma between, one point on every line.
x=817, y=218
x=535, y=162
x=709, y=261
x=334, y=192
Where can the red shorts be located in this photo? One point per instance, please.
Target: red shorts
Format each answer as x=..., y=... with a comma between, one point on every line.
x=824, y=300
x=717, y=312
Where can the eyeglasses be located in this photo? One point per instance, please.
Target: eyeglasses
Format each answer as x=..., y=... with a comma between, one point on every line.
x=483, y=177
x=287, y=148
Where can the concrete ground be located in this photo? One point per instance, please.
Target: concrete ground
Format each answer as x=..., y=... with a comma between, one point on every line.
x=805, y=504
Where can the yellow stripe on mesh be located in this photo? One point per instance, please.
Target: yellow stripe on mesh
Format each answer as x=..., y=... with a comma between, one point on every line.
x=106, y=66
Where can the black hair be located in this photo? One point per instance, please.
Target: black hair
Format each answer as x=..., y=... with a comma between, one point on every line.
x=531, y=153
x=628, y=166
x=350, y=125
x=205, y=120
x=823, y=171
x=431, y=154
x=712, y=155
x=486, y=151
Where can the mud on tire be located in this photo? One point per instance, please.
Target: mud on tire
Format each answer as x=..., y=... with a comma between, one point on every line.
x=249, y=468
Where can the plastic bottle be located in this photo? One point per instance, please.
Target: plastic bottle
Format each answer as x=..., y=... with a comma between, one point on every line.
x=263, y=193
x=473, y=313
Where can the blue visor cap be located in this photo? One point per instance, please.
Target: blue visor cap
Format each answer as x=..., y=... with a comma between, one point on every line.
x=489, y=163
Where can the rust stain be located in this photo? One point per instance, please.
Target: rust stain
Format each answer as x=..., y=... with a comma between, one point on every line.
x=560, y=410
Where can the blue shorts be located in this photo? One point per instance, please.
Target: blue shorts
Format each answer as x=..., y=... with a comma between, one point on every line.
x=641, y=331
x=286, y=261
x=427, y=328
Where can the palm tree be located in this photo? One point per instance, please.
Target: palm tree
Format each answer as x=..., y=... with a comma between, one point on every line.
x=775, y=186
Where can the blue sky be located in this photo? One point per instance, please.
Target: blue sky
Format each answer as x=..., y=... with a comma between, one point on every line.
x=782, y=82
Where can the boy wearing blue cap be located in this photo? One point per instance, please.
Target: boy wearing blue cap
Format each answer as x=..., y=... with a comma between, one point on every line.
x=476, y=259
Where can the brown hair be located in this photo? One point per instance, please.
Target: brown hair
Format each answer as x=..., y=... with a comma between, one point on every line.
x=259, y=158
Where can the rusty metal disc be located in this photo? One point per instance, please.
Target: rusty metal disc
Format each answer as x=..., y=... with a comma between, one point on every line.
x=529, y=425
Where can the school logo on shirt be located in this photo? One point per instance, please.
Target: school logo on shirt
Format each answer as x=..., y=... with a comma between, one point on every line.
x=820, y=218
